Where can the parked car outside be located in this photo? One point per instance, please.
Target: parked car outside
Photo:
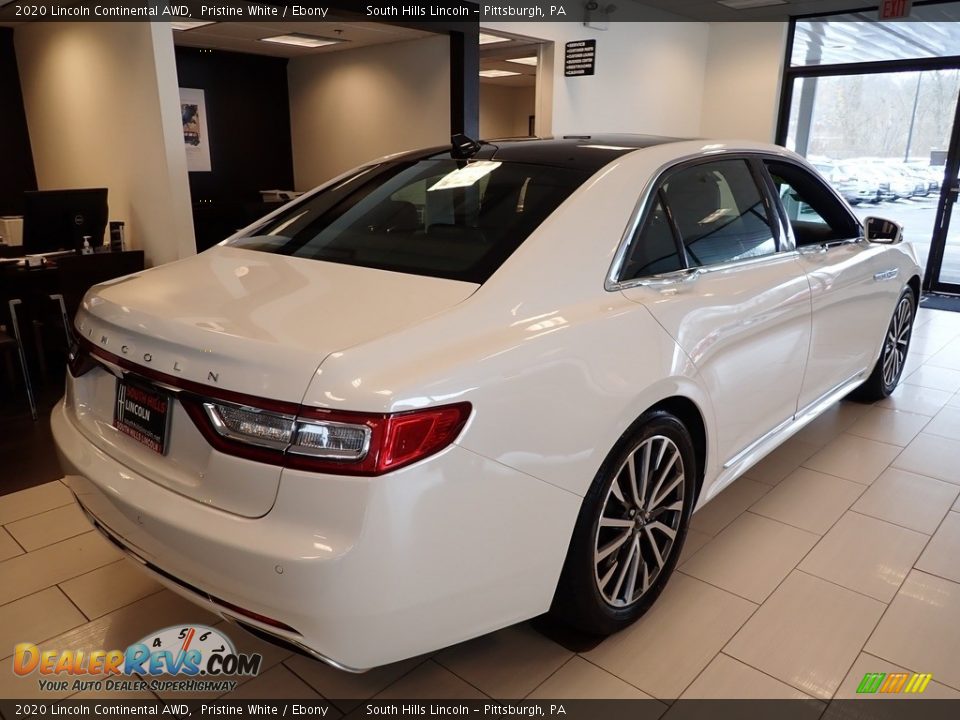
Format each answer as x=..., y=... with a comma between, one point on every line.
x=849, y=186
x=921, y=187
x=932, y=174
x=876, y=180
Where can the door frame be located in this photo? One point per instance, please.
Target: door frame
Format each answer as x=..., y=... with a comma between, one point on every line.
x=941, y=226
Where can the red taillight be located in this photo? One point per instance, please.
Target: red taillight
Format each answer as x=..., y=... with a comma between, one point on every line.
x=389, y=441
x=419, y=434
x=396, y=440
x=291, y=436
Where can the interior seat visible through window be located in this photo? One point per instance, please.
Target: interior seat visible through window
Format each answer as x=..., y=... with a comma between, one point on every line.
x=705, y=214
x=720, y=213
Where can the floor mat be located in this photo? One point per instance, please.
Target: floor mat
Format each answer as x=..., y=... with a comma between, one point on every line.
x=941, y=302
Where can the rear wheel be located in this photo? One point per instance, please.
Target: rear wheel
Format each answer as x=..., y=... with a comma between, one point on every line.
x=631, y=528
x=889, y=368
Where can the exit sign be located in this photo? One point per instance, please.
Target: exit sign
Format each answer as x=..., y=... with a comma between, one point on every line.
x=895, y=9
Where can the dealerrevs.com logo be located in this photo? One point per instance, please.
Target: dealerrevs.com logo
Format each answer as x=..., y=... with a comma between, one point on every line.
x=199, y=658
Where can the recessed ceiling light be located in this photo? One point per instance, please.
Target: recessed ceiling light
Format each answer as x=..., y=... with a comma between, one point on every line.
x=748, y=4
x=190, y=24
x=487, y=38
x=497, y=73
x=532, y=60
x=302, y=40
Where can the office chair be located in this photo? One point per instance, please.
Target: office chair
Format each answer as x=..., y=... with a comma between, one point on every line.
x=15, y=344
x=75, y=274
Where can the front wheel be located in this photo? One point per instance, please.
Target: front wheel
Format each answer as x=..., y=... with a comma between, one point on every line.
x=889, y=368
x=631, y=528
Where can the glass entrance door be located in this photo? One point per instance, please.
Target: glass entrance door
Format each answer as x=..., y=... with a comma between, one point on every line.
x=882, y=139
x=943, y=265
x=874, y=105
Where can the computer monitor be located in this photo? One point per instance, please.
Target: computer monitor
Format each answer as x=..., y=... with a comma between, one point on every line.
x=59, y=219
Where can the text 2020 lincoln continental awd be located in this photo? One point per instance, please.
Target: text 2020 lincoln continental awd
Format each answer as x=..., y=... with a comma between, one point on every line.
x=458, y=388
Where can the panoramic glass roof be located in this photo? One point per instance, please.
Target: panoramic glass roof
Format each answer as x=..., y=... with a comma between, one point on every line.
x=932, y=31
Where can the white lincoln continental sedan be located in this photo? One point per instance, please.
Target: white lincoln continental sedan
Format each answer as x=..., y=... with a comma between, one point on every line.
x=458, y=388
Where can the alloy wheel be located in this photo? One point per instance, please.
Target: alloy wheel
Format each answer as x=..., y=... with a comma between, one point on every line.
x=638, y=525
x=897, y=341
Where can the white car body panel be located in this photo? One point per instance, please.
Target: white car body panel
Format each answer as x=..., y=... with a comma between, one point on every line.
x=367, y=556
x=848, y=306
x=742, y=325
x=556, y=364
x=262, y=323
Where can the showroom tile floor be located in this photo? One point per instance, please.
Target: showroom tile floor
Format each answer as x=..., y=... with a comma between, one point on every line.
x=837, y=555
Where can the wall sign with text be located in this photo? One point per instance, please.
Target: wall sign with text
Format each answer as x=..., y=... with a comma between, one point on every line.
x=580, y=58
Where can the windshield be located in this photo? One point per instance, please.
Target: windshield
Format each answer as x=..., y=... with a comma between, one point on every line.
x=441, y=218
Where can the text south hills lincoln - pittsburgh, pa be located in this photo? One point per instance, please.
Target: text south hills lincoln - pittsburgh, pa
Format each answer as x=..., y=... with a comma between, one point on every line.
x=465, y=10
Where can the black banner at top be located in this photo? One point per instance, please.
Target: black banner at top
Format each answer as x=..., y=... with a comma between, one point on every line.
x=594, y=13
x=439, y=11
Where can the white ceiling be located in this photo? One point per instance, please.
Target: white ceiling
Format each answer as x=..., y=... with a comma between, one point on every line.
x=711, y=10
x=494, y=56
x=245, y=37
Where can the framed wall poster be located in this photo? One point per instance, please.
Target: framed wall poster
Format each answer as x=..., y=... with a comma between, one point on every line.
x=193, y=110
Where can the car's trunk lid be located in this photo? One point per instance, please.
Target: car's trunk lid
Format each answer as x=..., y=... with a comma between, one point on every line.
x=243, y=322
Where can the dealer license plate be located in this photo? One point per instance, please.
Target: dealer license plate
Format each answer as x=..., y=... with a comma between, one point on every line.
x=143, y=413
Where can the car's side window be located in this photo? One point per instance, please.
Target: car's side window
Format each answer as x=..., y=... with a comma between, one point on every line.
x=813, y=212
x=654, y=250
x=719, y=212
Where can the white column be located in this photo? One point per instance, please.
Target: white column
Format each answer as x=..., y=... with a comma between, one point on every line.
x=102, y=110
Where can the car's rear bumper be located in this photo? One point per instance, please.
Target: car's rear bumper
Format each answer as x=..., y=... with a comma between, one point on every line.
x=361, y=571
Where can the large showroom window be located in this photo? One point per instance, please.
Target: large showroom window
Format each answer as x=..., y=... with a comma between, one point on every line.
x=874, y=106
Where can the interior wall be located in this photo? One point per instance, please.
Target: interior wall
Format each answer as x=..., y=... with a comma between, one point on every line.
x=248, y=124
x=505, y=111
x=102, y=110
x=744, y=72
x=649, y=76
x=16, y=168
x=352, y=106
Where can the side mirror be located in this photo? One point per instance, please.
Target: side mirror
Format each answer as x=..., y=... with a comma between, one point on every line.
x=879, y=230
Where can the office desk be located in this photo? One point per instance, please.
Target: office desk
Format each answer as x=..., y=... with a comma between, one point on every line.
x=26, y=305
x=11, y=251
x=69, y=276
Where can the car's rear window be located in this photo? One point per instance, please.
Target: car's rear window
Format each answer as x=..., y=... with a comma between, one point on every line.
x=442, y=218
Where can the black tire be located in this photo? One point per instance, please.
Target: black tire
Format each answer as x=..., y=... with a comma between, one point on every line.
x=893, y=355
x=660, y=442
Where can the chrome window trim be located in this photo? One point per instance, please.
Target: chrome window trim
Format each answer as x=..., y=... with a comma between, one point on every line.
x=612, y=283
x=689, y=274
